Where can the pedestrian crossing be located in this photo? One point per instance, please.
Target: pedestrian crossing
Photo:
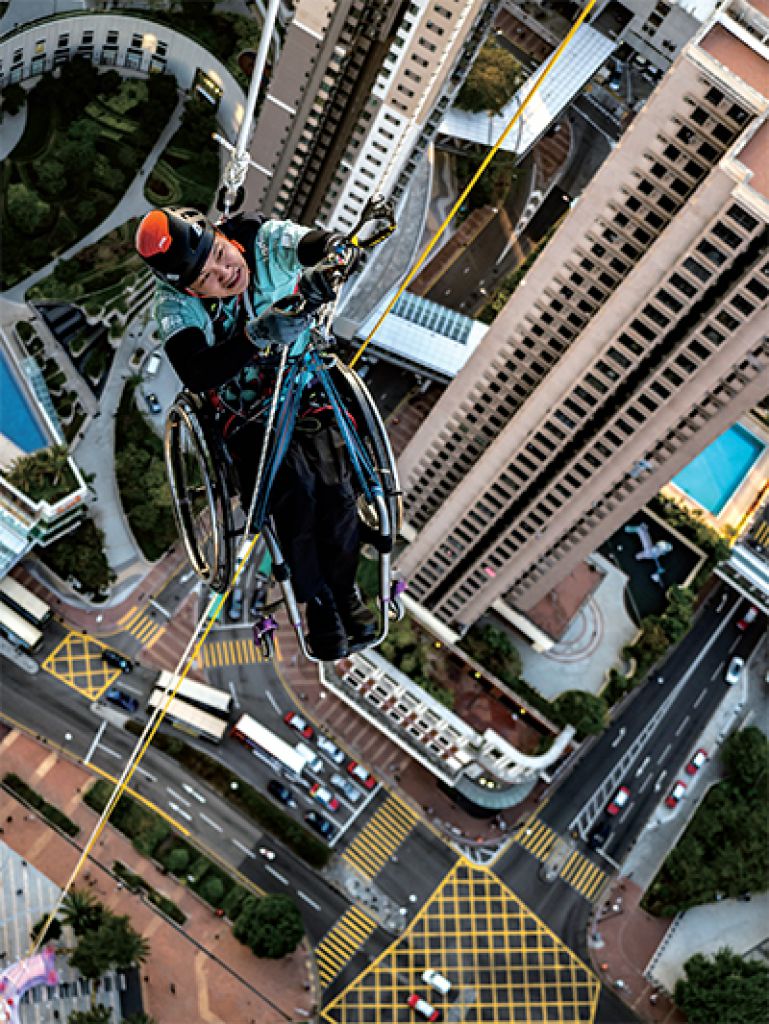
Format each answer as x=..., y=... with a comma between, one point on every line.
x=381, y=837
x=760, y=533
x=218, y=653
x=140, y=624
x=579, y=871
x=340, y=945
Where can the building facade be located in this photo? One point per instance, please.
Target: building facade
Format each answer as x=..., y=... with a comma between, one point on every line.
x=639, y=335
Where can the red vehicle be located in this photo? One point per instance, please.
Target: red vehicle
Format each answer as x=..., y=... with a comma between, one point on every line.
x=297, y=722
x=323, y=796
x=423, y=1008
x=675, y=795
x=750, y=616
x=699, y=757
x=361, y=774
x=621, y=797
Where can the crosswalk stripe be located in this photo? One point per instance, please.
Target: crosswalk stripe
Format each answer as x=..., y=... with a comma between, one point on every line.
x=340, y=944
x=381, y=837
x=131, y=611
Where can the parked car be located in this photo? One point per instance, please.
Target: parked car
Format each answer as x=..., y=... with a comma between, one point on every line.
x=116, y=660
x=235, y=605
x=750, y=616
x=281, y=793
x=361, y=774
x=259, y=595
x=331, y=749
x=734, y=670
x=122, y=700
x=619, y=800
x=346, y=788
x=320, y=824
x=324, y=796
x=295, y=720
x=698, y=759
x=423, y=1008
x=153, y=404
x=153, y=364
x=597, y=838
x=676, y=794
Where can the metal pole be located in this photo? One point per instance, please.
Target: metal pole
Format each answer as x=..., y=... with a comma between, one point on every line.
x=256, y=79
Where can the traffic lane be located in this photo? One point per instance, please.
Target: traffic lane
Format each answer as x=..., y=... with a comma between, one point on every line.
x=416, y=869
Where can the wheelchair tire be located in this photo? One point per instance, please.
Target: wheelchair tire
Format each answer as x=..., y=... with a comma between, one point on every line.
x=201, y=498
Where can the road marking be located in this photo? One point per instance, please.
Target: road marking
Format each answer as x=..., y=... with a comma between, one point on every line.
x=209, y=821
x=660, y=780
x=132, y=689
x=306, y=898
x=276, y=874
x=735, y=644
x=147, y=774
x=682, y=726
x=188, y=789
x=96, y=739
x=642, y=767
x=645, y=784
x=111, y=752
x=243, y=848
x=272, y=701
x=179, y=810
x=234, y=693
x=718, y=670
x=177, y=796
x=665, y=752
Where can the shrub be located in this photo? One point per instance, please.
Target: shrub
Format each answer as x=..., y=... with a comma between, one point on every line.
x=51, y=814
x=212, y=890
x=177, y=860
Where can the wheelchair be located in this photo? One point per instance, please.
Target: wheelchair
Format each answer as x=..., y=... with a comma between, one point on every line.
x=211, y=520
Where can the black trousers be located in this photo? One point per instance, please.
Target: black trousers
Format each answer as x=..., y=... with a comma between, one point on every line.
x=313, y=505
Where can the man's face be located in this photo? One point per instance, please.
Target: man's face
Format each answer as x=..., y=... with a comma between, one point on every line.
x=224, y=274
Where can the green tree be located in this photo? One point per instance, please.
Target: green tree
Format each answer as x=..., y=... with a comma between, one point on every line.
x=125, y=945
x=52, y=933
x=99, y=1014
x=25, y=208
x=493, y=80
x=91, y=956
x=745, y=756
x=81, y=554
x=271, y=927
x=45, y=474
x=51, y=176
x=727, y=988
x=13, y=98
x=212, y=890
x=81, y=911
x=177, y=860
x=586, y=712
x=494, y=649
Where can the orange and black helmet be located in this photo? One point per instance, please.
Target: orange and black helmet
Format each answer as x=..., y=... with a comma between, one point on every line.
x=175, y=242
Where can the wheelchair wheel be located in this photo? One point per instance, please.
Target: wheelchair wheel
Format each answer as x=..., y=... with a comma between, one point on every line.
x=373, y=434
x=195, y=464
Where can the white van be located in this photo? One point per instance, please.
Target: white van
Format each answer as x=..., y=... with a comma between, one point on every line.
x=436, y=981
x=312, y=760
x=152, y=365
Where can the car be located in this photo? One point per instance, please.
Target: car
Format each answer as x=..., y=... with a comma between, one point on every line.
x=153, y=404
x=698, y=759
x=295, y=720
x=121, y=699
x=330, y=749
x=267, y=853
x=259, y=595
x=235, y=605
x=597, y=838
x=281, y=793
x=750, y=616
x=152, y=364
x=116, y=660
x=437, y=981
x=676, y=794
x=361, y=774
x=734, y=670
x=324, y=796
x=320, y=824
x=423, y=1008
x=346, y=788
x=619, y=800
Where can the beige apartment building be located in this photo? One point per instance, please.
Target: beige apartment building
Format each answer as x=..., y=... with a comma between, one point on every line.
x=357, y=93
x=639, y=335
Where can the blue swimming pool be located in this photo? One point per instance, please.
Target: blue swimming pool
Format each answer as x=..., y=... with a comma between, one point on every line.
x=714, y=476
x=17, y=420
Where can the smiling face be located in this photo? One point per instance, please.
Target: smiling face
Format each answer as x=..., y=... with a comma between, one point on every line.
x=224, y=274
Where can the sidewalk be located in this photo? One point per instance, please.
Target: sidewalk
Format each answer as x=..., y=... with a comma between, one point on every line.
x=230, y=984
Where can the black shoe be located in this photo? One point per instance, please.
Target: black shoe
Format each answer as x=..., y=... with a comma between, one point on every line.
x=326, y=634
x=359, y=621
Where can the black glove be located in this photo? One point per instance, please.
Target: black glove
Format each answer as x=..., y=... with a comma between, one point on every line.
x=319, y=284
x=282, y=323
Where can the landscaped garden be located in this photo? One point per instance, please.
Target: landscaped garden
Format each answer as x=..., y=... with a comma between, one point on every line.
x=187, y=172
x=69, y=411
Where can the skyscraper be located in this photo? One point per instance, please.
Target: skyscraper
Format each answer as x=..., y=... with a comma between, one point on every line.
x=639, y=335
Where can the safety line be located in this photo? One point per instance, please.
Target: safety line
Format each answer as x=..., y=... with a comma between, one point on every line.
x=473, y=181
x=190, y=653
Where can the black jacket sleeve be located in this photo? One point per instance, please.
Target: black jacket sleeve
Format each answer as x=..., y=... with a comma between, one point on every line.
x=202, y=367
x=313, y=246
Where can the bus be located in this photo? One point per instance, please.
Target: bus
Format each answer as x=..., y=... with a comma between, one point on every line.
x=268, y=747
x=207, y=698
x=24, y=602
x=187, y=718
x=18, y=631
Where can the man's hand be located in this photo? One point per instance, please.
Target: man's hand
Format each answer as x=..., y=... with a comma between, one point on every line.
x=320, y=284
x=282, y=323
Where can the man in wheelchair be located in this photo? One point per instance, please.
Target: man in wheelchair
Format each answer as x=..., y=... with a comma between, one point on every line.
x=226, y=297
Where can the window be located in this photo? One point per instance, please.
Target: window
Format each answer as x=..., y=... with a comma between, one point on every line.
x=714, y=96
x=668, y=300
x=427, y=44
x=725, y=234
x=731, y=323
x=742, y=217
x=63, y=39
x=683, y=286
x=693, y=169
x=756, y=288
x=696, y=269
x=112, y=38
x=656, y=317
x=136, y=41
x=711, y=252
x=712, y=335
x=742, y=305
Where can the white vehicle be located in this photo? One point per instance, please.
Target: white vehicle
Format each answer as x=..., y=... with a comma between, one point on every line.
x=17, y=630
x=734, y=671
x=310, y=758
x=436, y=981
x=153, y=364
x=24, y=602
x=207, y=698
x=331, y=749
x=267, y=746
x=187, y=718
x=346, y=788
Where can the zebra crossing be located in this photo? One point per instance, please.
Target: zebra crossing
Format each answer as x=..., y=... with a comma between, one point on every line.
x=581, y=873
x=219, y=653
x=381, y=837
x=338, y=946
x=760, y=533
x=139, y=623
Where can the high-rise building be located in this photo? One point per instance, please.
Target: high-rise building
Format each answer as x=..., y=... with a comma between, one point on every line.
x=638, y=336
x=354, y=98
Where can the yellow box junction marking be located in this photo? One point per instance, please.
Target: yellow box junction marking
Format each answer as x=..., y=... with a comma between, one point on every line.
x=140, y=624
x=383, y=834
x=341, y=943
x=76, y=661
x=505, y=964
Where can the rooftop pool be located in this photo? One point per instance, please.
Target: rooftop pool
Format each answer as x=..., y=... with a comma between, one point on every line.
x=18, y=421
x=714, y=477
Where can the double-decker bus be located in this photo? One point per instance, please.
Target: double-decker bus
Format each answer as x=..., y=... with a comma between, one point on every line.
x=207, y=698
x=268, y=747
x=24, y=602
x=187, y=718
x=18, y=631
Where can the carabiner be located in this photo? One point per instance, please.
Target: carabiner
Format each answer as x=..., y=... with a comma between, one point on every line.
x=376, y=209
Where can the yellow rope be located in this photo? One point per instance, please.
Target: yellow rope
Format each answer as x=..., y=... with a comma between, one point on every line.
x=485, y=163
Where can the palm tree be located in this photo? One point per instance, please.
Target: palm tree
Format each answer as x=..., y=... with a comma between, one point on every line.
x=81, y=911
x=99, y=1014
x=126, y=946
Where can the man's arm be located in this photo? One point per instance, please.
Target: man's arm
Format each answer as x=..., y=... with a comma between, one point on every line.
x=202, y=367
